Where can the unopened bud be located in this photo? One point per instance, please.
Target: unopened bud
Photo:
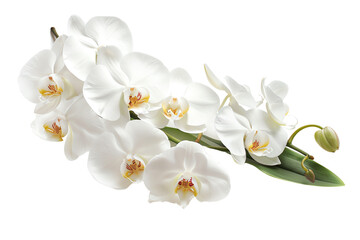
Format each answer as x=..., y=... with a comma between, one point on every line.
x=310, y=175
x=327, y=139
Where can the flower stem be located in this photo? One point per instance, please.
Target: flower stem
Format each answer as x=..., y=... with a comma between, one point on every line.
x=53, y=33
x=302, y=163
x=291, y=138
x=290, y=145
x=224, y=101
x=199, y=137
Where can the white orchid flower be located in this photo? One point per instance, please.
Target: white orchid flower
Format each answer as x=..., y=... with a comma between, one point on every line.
x=238, y=94
x=274, y=94
x=81, y=48
x=184, y=172
x=255, y=131
x=75, y=121
x=45, y=80
x=189, y=106
x=133, y=82
x=117, y=160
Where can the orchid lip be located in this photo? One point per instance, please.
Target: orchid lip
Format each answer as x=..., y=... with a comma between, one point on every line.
x=175, y=108
x=54, y=128
x=136, y=97
x=51, y=89
x=132, y=168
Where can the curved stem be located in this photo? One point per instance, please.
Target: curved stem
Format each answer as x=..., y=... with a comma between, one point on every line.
x=291, y=138
x=224, y=101
x=290, y=145
x=302, y=163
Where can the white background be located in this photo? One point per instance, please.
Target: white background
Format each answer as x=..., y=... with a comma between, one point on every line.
x=314, y=46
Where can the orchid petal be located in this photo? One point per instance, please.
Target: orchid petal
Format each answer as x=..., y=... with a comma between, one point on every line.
x=76, y=26
x=79, y=58
x=184, y=125
x=230, y=131
x=147, y=141
x=44, y=121
x=85, y=126
x=38, y=67
x=57, y=48
x=146, y=71
x=105, y=160
x=110, y=31
x=241, y=93
x=215, y=182
x=110, y=57
x=155, y=117
x=104, y=94
x=179, y=81
x=266, y=160
x=203, y=101
x=215, y=81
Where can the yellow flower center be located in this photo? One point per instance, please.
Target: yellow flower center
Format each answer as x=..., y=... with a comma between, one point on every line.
x=256, y=146
x=133, y=169
x=174, y=108
x=52, y=89
x=186, y=186
x=136, y=98
x=55, y=130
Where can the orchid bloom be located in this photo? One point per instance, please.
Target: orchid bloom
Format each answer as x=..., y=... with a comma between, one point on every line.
x=74, y=120
x=189, y=106
x=184, y=172
x=239, y=94
x=81, y=48
x=133, y=82
x=117, y=160
x=45, y=80
x=274, y=94
x=254, y=131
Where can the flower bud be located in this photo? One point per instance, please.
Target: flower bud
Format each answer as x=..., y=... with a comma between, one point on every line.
x=310, y=175
x=327, y=139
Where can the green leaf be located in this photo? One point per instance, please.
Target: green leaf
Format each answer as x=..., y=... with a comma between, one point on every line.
x=290, y=170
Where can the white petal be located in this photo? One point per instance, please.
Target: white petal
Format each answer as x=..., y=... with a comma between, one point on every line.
x=104, y=94
x=110, y=56
x=76, y=26
x=277, y=112
x=179, y=81
x=239, y=159
x=105, y=159
x=146, y=71
x=185, y=126
x=266, y=160
x=230, y=131
x=215, y=182
x=162, y=172
x=57, y=48
x=110, y=31
x=279, y=88
x=38, y=67
x=46, y=106
x=213, y=79
x=43, y=120
x=260, y=120
x=147, y=141
x=85, y=126
x=72, y=85
x=155, y=117
x=241, y=93
x=203, y=101
x=79, y=58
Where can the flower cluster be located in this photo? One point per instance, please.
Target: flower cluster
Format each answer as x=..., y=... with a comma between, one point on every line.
x=91, y=89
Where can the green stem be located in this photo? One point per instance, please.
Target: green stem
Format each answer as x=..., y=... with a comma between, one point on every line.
x=291, y=138
x=53, y=33
x=224, y=101
x=290, y=145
